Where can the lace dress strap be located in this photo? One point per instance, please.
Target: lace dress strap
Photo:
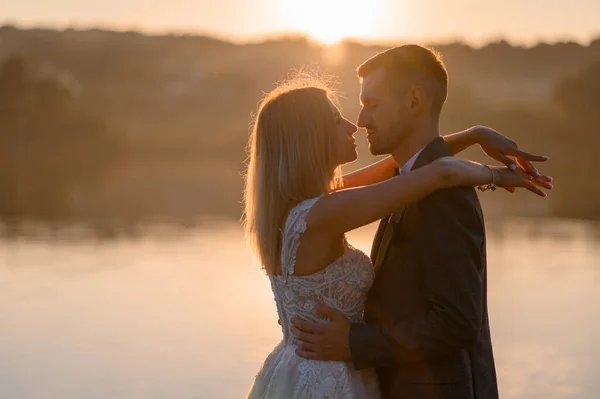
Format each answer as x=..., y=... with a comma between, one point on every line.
x=295, y=225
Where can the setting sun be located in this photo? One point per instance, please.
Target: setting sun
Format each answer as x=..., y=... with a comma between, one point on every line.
x=330, y=21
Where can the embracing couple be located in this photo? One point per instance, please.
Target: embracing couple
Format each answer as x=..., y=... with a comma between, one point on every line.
x=411, y=320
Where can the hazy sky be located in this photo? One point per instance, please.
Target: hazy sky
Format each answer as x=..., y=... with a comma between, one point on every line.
x=522, y=21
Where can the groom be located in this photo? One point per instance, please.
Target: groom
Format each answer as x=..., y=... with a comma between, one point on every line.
x=426, y=330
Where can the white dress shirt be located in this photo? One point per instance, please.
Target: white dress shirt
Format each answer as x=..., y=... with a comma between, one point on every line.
x=407, y=167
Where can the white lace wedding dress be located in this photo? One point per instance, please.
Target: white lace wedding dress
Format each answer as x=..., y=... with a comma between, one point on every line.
x=343, y=285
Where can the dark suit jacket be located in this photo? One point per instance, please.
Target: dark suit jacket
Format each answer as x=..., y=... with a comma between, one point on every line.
x=426, y=329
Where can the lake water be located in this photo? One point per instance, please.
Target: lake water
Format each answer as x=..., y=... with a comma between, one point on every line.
x=189, y=315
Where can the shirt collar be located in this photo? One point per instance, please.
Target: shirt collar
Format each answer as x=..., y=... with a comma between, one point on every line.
x=407, y=167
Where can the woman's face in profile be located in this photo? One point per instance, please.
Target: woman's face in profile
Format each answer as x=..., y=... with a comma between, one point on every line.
x=345, y=144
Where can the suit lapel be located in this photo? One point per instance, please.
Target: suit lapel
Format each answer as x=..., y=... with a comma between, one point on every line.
x=390, y=227
x=377, y=240
x=436, y=149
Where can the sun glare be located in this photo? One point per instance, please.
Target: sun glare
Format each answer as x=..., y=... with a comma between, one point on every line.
x=330, y=21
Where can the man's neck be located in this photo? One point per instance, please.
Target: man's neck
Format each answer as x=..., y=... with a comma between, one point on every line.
x=414, y=143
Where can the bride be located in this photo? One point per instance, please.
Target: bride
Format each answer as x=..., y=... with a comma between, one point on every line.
x=298, y=144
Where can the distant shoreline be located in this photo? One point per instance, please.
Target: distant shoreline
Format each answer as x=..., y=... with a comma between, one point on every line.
x=296, y=36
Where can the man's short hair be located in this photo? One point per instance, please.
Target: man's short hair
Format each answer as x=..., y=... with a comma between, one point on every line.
x=423, y=63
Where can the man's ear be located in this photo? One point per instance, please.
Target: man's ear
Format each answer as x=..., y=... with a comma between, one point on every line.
x=417, y=98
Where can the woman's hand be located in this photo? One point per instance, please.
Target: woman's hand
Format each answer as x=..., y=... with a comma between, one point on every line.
x=460, y=172
x=509, y=179
x=501, y=148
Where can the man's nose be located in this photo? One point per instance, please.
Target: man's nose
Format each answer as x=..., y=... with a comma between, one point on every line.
x=362, y=119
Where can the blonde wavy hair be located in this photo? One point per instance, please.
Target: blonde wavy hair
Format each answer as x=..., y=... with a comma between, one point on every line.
x=291, y=159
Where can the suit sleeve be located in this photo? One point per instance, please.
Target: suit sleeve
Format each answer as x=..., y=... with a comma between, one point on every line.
x=451, y=237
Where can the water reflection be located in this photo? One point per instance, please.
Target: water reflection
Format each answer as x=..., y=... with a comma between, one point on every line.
x=189, y=315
